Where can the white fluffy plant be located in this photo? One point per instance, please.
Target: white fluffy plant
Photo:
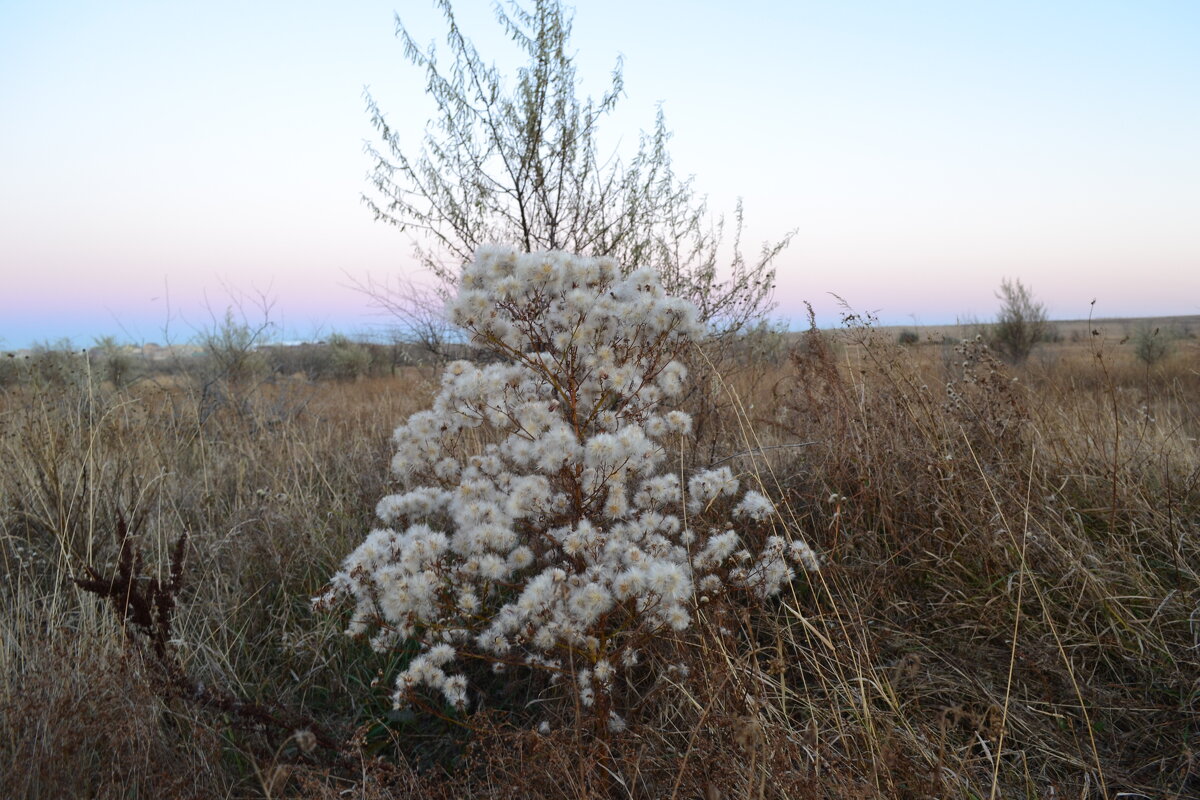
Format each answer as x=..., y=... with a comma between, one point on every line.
x=542, y=521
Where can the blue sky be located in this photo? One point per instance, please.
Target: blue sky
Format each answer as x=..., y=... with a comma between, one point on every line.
x=161, y=159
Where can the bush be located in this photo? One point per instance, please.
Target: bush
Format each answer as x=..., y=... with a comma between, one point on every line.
x=56, y=365
x=540, y=523
x=1021, y=323
x=348, y=360
x=231, y=346
x=10, y=370
x=519, y=161
x=908, y=337
x=1150, y=344
x=117, y=364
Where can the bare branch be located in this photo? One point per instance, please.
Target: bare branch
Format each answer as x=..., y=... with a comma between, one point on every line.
x=519, y=165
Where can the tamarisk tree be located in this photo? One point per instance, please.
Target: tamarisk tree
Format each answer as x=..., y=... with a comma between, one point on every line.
x=518, y=163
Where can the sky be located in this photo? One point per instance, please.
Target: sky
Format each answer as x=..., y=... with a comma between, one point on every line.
x=162, y=161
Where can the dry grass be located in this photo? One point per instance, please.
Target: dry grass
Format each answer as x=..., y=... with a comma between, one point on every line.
x=1010, y=608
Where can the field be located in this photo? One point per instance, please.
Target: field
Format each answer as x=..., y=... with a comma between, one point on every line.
x=1008, y=606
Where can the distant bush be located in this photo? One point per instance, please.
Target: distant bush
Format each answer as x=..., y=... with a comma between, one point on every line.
x=348, y=359
x=58, y=364
x=908, y=337
x=47, y=365
x=1051, y=335
x=116, y=363
x=1151, y=344
x=10, y=370
x=1020, y=325
x=761, y=343
x=231, y=346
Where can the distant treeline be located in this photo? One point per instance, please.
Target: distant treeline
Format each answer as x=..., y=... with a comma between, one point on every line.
x=235, y=355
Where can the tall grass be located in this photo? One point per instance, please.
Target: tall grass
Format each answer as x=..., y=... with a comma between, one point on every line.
x=1010, y=604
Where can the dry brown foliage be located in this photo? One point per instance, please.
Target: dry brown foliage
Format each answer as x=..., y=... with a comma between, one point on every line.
x=1009, y=605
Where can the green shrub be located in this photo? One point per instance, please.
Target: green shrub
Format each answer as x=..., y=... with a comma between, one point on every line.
x=1151, y=344
x=348, y=360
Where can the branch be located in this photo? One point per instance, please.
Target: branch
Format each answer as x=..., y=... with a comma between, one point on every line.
x=147, y=606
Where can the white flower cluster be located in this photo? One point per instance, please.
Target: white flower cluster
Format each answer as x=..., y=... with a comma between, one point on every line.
x=538, y=523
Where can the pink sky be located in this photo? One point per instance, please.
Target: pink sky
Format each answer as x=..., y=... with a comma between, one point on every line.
x=922, y=151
